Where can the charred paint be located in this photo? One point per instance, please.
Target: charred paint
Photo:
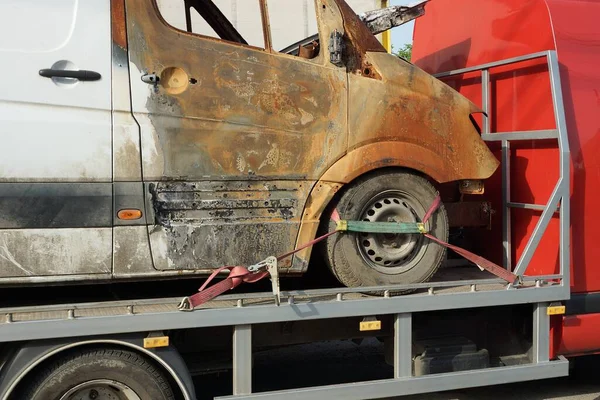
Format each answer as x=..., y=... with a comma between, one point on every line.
x=360, y=41
x=226, y=115
x=249, y=112
x=249, y=118
x=421, y=112
x=210, y=223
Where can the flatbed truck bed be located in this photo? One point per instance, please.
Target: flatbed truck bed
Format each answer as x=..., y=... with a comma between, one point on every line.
x=34, y=335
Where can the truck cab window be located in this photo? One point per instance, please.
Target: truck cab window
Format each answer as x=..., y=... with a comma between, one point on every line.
x=294, y=28
x=237, y=21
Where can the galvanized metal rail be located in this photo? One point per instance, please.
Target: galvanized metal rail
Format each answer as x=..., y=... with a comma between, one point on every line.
x=70, y=320
x=559, y=200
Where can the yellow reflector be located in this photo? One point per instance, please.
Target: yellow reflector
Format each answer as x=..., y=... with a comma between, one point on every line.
x=556, y=310
x=153, y=342
x=370, y=326
x=129, y=214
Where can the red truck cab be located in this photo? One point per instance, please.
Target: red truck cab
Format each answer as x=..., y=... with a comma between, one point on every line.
x=455, y=34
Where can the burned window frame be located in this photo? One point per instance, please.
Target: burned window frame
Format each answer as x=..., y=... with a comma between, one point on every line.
x=295, y=45
x=227, y=33
x=219, y=23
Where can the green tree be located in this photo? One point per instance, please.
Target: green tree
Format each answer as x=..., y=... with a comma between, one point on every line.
x=404, y=52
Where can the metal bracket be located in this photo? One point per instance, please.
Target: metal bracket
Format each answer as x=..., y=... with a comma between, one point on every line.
x=269, y=264
x=336, y=48
x=272, y=269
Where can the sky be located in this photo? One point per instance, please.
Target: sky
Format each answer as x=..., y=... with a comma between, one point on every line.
x=402, y=34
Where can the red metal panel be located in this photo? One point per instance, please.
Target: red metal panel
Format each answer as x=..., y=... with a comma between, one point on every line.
x=578, y=335
x=577, y=35
x=446, y=38
x=455, y=34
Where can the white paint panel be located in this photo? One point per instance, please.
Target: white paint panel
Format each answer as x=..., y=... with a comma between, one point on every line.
x=43, y=252
x=38, y=146
x=159, y=243
x=131, y=251
x=38, y=26
x=55, y=130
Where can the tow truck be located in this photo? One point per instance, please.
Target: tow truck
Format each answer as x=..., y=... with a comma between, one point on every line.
x=529, y=66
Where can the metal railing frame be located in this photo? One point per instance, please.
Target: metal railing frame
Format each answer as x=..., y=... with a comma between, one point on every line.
x=561, y=192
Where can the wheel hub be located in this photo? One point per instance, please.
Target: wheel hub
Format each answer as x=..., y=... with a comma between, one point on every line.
x=101, y=389
x=388, y=250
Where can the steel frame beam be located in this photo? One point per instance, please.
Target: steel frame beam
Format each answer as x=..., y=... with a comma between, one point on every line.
x=309, y=310
x=416, y=385
x=541, y=334
x=402, y=345
x=242, y=359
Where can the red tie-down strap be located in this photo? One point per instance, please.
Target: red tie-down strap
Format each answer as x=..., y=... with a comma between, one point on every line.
x=474, y=258
x=238, y=275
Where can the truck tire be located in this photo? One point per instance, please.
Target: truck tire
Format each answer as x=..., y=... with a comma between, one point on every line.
x=360, y=259
x=100, y=373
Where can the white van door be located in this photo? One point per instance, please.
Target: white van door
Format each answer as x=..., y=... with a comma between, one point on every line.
x=55, y=138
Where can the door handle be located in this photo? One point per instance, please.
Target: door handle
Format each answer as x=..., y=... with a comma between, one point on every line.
x=82, y=75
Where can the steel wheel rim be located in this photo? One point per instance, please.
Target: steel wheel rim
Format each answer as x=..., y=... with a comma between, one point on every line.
x=391, y=253
x=101, y=389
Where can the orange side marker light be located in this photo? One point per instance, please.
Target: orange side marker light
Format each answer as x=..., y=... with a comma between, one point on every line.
x=129, y=214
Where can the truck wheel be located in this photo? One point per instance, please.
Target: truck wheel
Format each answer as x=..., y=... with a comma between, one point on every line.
x=100, y=374
x=364, y=259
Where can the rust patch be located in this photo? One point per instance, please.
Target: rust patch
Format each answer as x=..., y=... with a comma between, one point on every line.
x=119, y=32
x=420, y=113
x=225, y=115
x=249, y=113
x=320, y=196
x=361, y=41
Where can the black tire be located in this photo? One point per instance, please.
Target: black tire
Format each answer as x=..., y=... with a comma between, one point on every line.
x=377, y=260
x=121, y=367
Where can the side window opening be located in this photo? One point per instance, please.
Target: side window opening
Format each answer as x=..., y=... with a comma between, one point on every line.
x=294, y=28
x=230, y=20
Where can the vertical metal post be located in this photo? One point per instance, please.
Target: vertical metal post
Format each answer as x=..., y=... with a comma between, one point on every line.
x=565, y=168
x=486, y=129
x=242, y=359
x=485, y=99
x=506, y=229
x=565, y=235
x=541, y=333
x=402, y=345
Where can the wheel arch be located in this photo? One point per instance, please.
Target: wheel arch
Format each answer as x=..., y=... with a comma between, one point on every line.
x=378, y=155
x=32, y=355
x=359, y=163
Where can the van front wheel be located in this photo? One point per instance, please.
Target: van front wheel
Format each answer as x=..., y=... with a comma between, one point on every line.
x=365, y=259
